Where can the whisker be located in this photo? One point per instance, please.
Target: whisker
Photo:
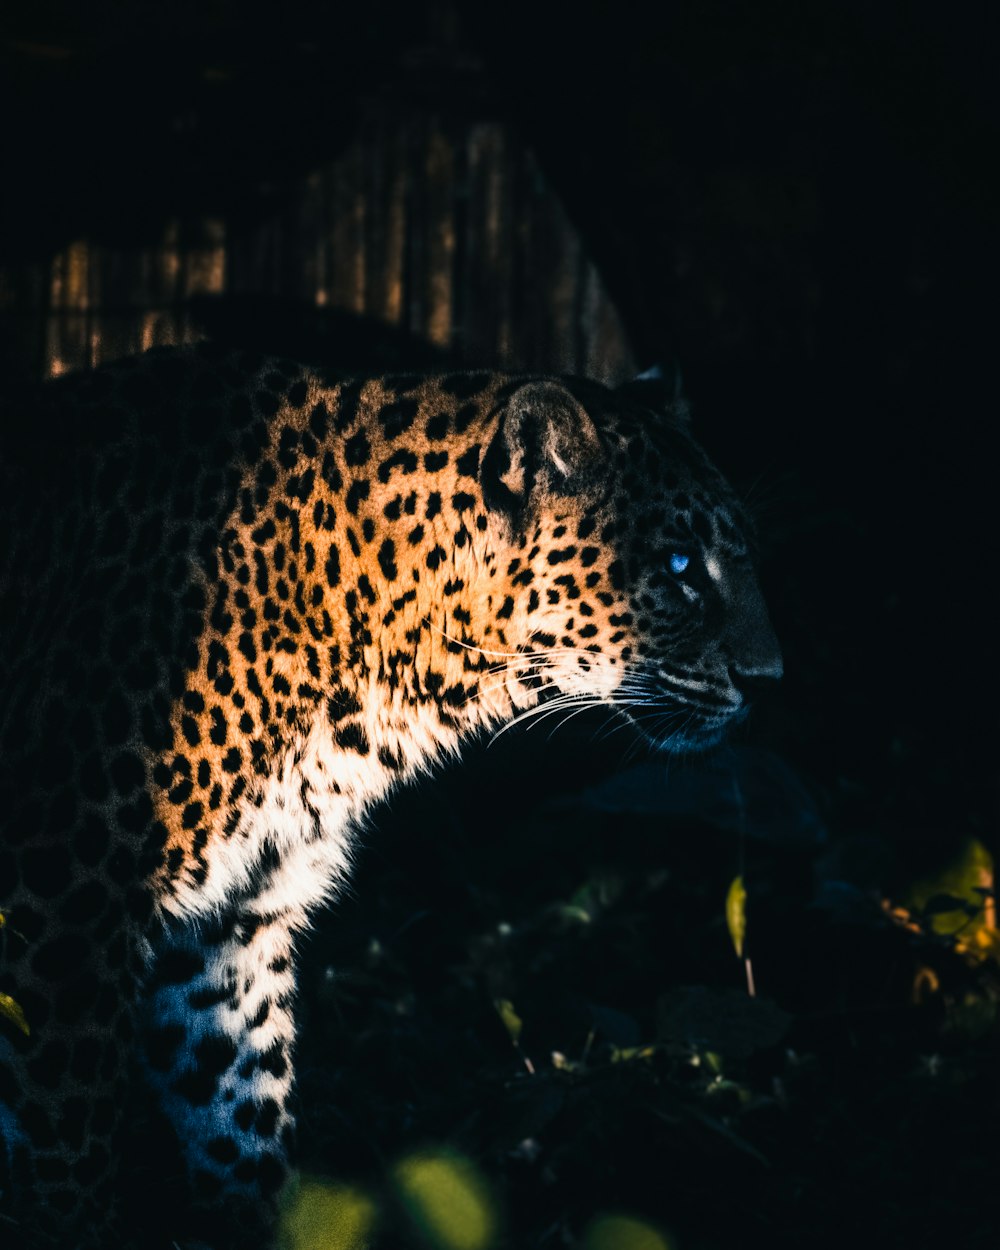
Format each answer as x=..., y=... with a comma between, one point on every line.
x=509, y=655
x=546, y=708
x=554, y=706
x=504, y=685
x=576, y=712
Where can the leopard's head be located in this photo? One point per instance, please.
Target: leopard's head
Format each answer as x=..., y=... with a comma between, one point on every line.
x=632, y=569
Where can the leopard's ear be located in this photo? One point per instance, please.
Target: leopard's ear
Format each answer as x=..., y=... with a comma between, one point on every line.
x=660, y=389
x=545, y=438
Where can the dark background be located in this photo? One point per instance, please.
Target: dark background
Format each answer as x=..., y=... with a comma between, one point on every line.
x=791, y=204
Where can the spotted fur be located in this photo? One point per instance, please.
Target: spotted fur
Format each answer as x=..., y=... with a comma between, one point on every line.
x=242, y=603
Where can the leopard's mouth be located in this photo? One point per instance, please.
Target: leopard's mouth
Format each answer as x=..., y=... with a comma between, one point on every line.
x=683, y=727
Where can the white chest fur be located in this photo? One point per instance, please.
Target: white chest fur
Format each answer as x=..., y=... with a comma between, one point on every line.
x=291, y=847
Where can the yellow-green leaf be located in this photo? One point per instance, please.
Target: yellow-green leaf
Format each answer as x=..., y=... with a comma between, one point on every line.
x=625, y=1054
x=323, y=1215
x=623, y=1232
x=12, y=1010
x=448, y=1201
x=969, y=878
x=512, y=1022
x=736, y=914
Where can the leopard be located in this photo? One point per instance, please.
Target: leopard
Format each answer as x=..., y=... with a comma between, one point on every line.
x=243, y=602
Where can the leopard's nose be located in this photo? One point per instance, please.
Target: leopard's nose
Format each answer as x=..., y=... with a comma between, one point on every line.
x=749, y=640
x=753, y=684
x=760, y=660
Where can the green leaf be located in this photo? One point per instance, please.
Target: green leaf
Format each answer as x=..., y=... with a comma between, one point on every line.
x=623, y=1232
x=625, y=1054
x=12, y=1010
x=724, y=1021
x=969, y=878
x=512, y=1022
x=736, y=914
x=448, y=1201
x=944, y=904
x=324, y=1215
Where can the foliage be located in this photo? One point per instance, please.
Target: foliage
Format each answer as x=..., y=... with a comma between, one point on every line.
x=320, y=1215
x=736, y=914
x=10, y=1009
x=532, y=1005
x=447, y=1201
x=622, y=1232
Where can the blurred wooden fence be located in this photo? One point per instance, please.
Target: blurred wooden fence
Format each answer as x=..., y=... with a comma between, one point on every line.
x=441, y=229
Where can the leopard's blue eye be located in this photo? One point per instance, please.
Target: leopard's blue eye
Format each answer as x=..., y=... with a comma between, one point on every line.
x=678, y=563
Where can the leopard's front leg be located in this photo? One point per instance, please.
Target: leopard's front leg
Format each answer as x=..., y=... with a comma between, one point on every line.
x=217, y=1049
